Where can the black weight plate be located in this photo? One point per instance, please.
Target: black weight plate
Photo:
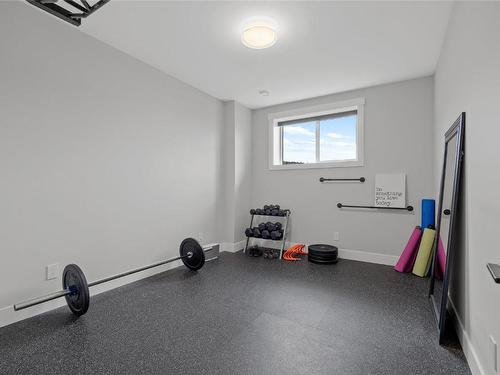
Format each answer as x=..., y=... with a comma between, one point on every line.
x=322, y=248
x=324, y=253
x=322, y=261
x=321, y=258
x=197, y=258
x=74, y=279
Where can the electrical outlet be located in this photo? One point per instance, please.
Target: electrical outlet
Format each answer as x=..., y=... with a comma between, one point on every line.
x=493, y=353
x=52, y=271
x=335, y=236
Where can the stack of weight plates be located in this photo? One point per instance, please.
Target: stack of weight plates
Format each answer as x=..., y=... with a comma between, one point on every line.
x=323, y=254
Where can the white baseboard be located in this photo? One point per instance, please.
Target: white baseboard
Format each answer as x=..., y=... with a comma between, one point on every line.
x=368, y=257
x=362, y=256
x=469, y=351
x=232, y=247
x=9, y=316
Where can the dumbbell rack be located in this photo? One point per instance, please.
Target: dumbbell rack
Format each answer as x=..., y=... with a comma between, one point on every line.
x=283, y=239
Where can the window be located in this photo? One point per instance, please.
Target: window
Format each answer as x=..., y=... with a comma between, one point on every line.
x=319, y=137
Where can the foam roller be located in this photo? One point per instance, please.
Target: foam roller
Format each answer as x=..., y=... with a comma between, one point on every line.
x=424, y=252
x=428, y=213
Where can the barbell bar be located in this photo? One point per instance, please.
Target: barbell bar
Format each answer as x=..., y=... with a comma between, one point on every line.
x=76, y=289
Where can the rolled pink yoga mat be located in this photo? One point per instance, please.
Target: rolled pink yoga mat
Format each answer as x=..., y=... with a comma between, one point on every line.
x=407, y=258
x=441, y=260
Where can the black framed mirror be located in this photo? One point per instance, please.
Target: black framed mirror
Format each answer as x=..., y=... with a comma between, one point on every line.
x=446, y=223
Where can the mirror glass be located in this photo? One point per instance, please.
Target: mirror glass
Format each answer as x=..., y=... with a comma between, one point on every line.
x=444, y=231
x=447, y=206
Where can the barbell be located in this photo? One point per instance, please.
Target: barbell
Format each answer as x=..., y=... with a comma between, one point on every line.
x=76, y=289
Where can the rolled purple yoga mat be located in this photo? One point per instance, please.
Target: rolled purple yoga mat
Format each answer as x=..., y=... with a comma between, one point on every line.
x=407, y=258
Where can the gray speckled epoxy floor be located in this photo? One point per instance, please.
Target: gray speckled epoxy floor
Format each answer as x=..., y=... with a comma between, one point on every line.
x=242, y=315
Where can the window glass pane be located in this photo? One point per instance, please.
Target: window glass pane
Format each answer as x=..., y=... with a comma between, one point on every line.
x=338, y=138
x=299, y=143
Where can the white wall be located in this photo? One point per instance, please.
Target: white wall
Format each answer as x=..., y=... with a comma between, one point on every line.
x=105, y=161
x=398, y=138
x=468, y=79
x=227, y=200
x=242, y=169
x=237, y=172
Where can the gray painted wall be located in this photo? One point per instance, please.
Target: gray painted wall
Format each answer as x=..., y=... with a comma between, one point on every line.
x=398, y=138
x=468, y=79
x=105, y=161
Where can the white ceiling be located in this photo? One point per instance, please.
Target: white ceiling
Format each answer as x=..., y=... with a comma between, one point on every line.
x=323, y=47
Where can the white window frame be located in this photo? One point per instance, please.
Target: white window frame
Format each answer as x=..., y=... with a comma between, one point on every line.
x=275, y=145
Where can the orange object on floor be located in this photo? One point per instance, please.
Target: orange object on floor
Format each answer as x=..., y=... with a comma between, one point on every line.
x=296, y=249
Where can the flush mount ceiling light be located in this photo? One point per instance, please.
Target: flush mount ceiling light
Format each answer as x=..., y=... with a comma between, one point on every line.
x=259, y=33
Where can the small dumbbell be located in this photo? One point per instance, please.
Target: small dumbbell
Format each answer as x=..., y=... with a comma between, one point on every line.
x=278, y=226
x=262, y=226
x=276, y=235
x=265, y=234
x=271, y=226
x=249, y=232
x=252, y=211
x=256, y=232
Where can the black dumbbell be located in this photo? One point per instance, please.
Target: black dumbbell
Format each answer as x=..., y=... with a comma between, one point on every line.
x=265, y=234
x=266, y=207
x=257, y=251
x=259, y=211
x=252, y=211
x=278, y=226
x=262, y=226
x=256, y=232
x=276, y=235
x=274, y=212
x=270, y=226
x=254, y=251
x=249, y=232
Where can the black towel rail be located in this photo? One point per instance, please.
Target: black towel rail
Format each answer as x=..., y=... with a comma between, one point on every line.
x=408, y=208
x=361, y=179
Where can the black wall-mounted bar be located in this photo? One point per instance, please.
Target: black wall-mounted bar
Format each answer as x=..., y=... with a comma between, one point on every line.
x=495, y=271
x=361, y=179
x=82, y=6
x=409, y=208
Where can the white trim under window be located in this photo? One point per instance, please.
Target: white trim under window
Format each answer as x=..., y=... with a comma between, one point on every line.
x=277, y=121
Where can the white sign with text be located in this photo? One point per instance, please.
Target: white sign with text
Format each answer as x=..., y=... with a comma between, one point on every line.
x=390, y=190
